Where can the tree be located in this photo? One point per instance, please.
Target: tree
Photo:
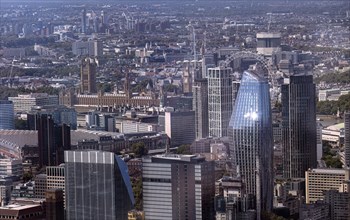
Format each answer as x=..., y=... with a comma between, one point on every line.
x=139, y=149
x=184, y=149
x=137, y=189
x=21, y=124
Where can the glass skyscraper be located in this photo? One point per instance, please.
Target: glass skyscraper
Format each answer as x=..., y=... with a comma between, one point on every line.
x=7, y=119
x=299, y=134
x=97, y=186
x=251, y=140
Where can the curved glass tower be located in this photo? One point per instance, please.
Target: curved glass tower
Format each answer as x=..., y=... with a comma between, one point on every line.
x=251, y=140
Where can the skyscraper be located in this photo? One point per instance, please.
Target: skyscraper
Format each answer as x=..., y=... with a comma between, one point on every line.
x=88, y=76
x=83, y=21
x=6, y=115
x=187, y=79
x=97, y=186
x=251, y=141
x=347, y=138
x=200, y=107
x=54, y=204
x=299, y=126
x=178, y=187
x=53, y=140
x=179, y=126
x=219, y=100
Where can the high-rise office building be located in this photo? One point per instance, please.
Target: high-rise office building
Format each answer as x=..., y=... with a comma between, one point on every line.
x=268, y=43
x=40, y=186
x=54, y=204
x=55, y=177
x=187, y=80
x=251, y=141
x=299, y=133
x=347, y=138
x=53, y=140
x=319, y=180
x=88, y=76
x=7, y=120
x=219, y=100
x=11, y=167
x=180, y=127
x=178, y=187
x=200, y=107
x=97, y=186
x=83, y=21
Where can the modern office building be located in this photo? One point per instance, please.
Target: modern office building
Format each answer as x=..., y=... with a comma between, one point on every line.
x=100, y=121
x=219, y=100
x=53, y=140
x=5, y=191
x=7, y=120
x=60, y=113
x=88, y=76
x=200, y=107
x=319, y=180
x=187, y=80
x=55, y=177
x=11, y=167
x=178, y=187
x=97, y=186
x=339, y=204
x=24, y=103
x=299, y=135
x=54, y=204
x=347, y=138
x=268, y=43
x=180, y=127
x=251, y=140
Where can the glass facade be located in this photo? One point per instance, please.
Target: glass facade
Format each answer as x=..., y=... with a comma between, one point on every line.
x=97, y=186
x=6, y=115
x=251, y=141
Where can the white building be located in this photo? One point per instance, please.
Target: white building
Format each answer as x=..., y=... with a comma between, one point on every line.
x=11, y=167
x=219, y=100
x=319, y=180
x=24, y=103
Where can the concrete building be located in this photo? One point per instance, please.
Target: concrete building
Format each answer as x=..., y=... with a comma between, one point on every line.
x=11, y=167
x=251, y=140
x=179, y=126
x=178, y=187
x=339, y=204
x=88, y=48
x=319, y=180
x=24, y=103
x=299, y=134
x=55, y=178
x=200, y=107
x=5, y=191
x=347, y=138
x=88, y=76
x=40, y=186
x=7, y=120
x=331, y=94
x=268, y=43
x=100, y=121
x=97, y=186
x=219, y=100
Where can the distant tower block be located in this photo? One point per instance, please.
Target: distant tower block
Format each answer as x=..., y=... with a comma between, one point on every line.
x=267, y=43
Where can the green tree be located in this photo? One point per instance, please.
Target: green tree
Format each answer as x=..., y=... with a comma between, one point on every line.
x=184, y=149
x=139, y=149
x=21, y=124
x=137, y=189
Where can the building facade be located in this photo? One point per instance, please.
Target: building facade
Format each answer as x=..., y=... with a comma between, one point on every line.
x=299, y=135
x=251, y=141
x=54, y=204
x=11, y=167
x=319, y=180
x=7, y=120
x=339, y=204
x=347, y=138
x=219, y=100
x=180, y=128
x=24, y=103
x=97, y=186
x=178, y=187
x=200, y=107
x=88, y=76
